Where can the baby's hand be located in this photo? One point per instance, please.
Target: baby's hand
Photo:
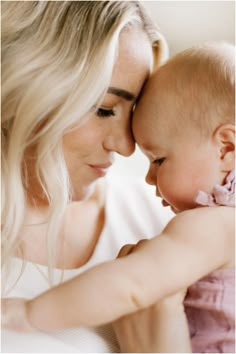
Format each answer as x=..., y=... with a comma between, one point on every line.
x=14, y=315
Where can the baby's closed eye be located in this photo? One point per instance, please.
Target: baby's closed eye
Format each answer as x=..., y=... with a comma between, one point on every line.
x=159, y=161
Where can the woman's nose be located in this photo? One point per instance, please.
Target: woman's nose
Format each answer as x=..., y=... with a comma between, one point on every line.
x=151, y=176
x=120, y=141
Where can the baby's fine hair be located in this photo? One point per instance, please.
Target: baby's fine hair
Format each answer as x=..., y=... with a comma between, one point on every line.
x=201, y=80
x=57, y=62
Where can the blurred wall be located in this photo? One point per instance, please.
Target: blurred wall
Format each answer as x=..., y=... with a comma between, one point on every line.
x=183, y=23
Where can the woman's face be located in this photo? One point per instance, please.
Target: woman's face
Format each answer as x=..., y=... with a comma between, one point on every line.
x=89, y=149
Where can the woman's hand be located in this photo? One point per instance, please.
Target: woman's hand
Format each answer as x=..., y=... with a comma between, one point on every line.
x=161, y=328
x=14, y=315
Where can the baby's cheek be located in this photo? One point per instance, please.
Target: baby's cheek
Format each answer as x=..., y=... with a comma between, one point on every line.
x=169, y=193
x=179, y=196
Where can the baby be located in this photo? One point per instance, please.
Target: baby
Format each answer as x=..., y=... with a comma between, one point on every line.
x=184, y=124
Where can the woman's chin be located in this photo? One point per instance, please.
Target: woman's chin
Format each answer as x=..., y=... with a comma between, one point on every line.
x=84, y=192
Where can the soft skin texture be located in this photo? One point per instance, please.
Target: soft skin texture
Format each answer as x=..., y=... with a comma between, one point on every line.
x=158, y=329
x=195, y=252
x=89, y=151
x=195, y=243
x=95, y=142
x=178, y=170
x=146, y=330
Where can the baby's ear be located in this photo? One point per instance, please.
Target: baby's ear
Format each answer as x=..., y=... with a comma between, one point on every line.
x=224, y=136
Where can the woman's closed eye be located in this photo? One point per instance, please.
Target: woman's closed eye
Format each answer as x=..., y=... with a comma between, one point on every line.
x=105, y=112
x=159, y=161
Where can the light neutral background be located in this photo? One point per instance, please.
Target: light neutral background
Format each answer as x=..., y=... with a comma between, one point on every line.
x=183, y=23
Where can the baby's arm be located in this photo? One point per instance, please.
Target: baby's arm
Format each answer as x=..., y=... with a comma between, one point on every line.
x=193, y=244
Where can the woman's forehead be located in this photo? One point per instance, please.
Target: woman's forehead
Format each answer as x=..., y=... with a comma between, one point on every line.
x=134, y=61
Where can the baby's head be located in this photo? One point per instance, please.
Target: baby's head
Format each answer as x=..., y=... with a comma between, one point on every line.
x=184, y=123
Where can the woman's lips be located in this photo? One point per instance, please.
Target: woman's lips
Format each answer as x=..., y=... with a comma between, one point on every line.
x=101, y=170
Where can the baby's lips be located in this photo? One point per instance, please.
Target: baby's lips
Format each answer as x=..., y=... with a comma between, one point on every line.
x=164, y=203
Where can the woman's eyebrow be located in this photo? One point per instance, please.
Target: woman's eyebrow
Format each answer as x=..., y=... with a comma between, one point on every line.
x=122, y=93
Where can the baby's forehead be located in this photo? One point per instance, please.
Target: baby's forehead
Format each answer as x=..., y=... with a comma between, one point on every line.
x=161, y=107
x=160, y=84
x=156, y=96
x=150, y=113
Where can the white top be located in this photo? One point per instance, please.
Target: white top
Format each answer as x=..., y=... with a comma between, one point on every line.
x=132, y=213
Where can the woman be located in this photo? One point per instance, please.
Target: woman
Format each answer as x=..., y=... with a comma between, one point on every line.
x=71, y=75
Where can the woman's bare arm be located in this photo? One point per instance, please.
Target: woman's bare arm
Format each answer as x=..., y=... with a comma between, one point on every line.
x=160, y=328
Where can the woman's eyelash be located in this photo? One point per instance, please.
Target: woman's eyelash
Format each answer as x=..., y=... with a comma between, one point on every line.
x=104, y=113
x=159, y=161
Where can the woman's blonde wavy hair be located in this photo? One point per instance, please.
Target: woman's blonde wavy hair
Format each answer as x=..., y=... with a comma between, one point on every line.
x=57, y=62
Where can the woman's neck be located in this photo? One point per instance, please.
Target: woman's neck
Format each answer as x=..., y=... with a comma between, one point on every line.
x=79, y=233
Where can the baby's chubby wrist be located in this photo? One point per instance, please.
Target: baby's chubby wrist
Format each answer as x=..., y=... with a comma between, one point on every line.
x=14, y=314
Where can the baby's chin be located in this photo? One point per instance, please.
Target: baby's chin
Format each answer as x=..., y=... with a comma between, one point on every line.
x=176, y=211
x=180, y=209
x=166, y=204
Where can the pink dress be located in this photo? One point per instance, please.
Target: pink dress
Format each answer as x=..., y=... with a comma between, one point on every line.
x=210, y=303
x=210, y=309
